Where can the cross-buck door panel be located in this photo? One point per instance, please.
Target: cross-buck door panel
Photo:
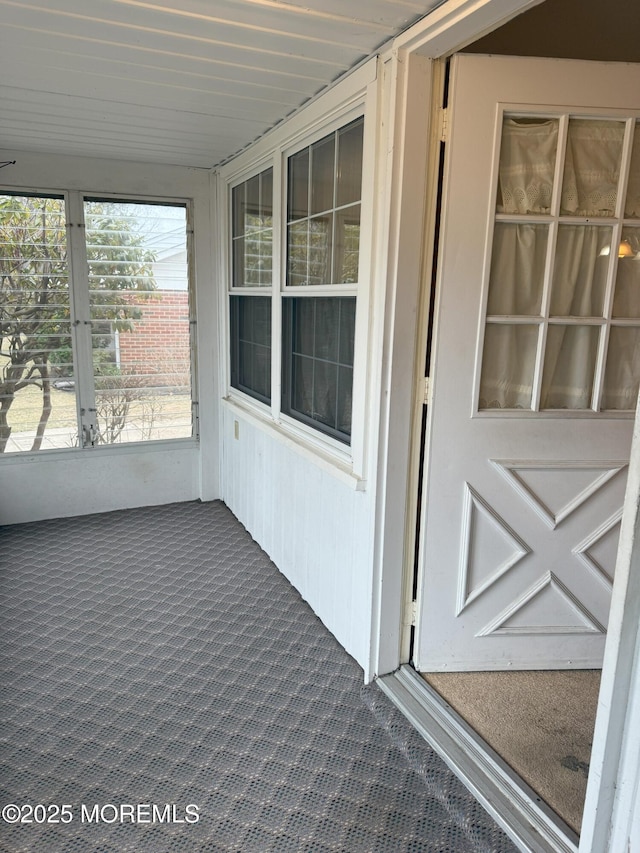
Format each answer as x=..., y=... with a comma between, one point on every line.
x=536, y=364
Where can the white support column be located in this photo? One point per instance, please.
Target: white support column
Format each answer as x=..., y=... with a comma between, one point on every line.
x=401, y=222
x=611, y=820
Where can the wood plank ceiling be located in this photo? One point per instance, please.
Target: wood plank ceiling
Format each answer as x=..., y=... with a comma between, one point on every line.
x=188, y=82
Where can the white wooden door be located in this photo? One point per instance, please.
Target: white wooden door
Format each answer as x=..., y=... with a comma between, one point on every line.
x=536, y=364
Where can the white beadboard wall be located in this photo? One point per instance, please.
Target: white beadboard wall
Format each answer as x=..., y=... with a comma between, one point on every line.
x=315, y=526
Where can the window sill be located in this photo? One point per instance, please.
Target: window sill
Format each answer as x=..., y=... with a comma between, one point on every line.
x=85, y=453
x=303, y=440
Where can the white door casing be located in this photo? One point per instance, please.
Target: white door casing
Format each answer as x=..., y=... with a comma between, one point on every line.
x=522, y=507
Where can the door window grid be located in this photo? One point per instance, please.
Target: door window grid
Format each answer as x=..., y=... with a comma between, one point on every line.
x=533, y=238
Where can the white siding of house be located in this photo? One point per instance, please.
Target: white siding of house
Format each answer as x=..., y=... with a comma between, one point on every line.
x=50, y=484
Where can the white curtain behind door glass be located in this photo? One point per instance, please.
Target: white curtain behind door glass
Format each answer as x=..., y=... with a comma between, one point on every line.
x=525, y=185
x=632, y=201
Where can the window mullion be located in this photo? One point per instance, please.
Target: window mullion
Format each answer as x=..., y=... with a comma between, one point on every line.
x=278, y=275
x=82, y=350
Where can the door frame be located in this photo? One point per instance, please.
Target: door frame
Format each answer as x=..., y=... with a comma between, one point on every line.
x=408, y=85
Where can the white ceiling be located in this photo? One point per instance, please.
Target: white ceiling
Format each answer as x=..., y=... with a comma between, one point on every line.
x=187, y=82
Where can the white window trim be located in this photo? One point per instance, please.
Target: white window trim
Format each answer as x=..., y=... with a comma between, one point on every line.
x=77, y=262
x=354, y=97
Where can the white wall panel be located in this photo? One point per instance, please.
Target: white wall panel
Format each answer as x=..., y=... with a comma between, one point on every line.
x=60, y=485
x=313, y=524
x=35, y=486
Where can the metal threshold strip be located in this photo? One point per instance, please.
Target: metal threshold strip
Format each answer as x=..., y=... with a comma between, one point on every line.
x=515, y=807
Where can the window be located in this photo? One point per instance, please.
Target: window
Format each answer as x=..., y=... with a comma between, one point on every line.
x=250, y=310
x=314, y=288
x=318, y=373
x=106, y=360
x=37, y=379
x=562, y=328
x=323, y=244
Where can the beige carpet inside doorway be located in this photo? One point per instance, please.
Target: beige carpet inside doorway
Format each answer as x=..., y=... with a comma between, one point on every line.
x=540, y=723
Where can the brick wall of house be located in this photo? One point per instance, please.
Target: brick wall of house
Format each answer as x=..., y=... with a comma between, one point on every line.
x=158, y=346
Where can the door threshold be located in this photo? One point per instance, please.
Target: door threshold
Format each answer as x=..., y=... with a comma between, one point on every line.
x=516, y=808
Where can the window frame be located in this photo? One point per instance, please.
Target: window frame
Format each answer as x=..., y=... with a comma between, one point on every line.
x=336, y=290
x=274, y=154
x=78, y=275
x=245, y=396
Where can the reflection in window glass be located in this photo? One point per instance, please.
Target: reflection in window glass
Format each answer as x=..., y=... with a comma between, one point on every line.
x=349, y=171
x=626, y=302
x=324, y=187
x=347, y=245
x=298, y=183
x=252, y=237
x=323, y=162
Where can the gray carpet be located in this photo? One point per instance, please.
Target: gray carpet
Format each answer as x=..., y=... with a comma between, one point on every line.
x=157, y=657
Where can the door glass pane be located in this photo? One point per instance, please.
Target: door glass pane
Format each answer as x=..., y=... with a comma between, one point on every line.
x=517, y=268
x=626, y=302
x=592, y=167
x=622, y=375
x=569, y=366
x=580, y=270
x=632, y=202
x=508, y=363
x=140, y=327
x=37, y=382
x=527, y=164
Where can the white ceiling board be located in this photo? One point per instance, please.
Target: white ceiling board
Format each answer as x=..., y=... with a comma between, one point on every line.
x=177, y=81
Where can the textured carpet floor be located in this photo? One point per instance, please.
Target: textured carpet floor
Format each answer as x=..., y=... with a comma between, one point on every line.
x=157, y=657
